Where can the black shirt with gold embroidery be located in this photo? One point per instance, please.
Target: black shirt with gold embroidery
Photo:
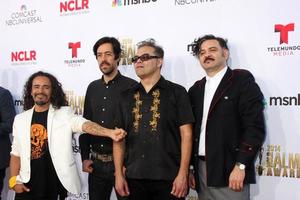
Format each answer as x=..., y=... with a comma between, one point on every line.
x=152, y=121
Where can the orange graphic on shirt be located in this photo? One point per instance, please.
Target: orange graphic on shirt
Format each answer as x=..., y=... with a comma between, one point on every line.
x=39, y=138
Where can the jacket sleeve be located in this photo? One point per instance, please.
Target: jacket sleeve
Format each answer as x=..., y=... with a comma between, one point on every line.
x=76, y=121
x=7, y=112
x=15, y=147
x=252, y=119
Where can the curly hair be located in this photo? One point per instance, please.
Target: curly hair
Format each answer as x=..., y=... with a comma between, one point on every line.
x=198, y=42
x=58, y=97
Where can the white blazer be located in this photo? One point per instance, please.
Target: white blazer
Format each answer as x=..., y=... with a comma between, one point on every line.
x=61, y=123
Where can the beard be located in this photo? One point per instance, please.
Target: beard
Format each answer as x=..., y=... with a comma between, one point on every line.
x=107, y=71
x=40, y=103
x=107, y=68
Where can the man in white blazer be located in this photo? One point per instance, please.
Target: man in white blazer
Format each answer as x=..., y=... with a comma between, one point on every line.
x=42, y=165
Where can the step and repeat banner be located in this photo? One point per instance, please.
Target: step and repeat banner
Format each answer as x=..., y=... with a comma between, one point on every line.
x=264, y=37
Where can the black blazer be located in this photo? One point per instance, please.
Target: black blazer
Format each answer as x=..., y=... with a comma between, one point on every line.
x=235, y=127
x=7, y=114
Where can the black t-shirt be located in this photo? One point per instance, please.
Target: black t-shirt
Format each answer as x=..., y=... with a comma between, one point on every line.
x=152, y=121
x=43, y=178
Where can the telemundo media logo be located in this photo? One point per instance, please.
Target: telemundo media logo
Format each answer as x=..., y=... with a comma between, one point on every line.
x=285, y=48
x=75, y=61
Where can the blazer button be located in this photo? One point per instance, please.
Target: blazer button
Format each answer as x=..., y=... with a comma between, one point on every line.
x=196, y=139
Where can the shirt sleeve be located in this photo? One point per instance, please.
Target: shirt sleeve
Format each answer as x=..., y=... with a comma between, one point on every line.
x=184, y=108
x=119, y=118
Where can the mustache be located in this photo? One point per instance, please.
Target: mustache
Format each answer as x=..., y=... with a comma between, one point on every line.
x=40, y=94
x=209, y=58
x=104, y=62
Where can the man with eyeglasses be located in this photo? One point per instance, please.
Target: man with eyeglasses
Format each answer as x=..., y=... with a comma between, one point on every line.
x=157, y=115
x=100, y=106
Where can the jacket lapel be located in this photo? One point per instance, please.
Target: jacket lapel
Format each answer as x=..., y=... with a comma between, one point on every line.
x=221, y=89
x=49, y=123
x=27, y=129
x=200, y=96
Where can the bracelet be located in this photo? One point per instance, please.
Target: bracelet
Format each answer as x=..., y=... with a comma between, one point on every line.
x=12, y=182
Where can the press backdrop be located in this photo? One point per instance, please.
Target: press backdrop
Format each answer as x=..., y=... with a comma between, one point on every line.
x=264, y=37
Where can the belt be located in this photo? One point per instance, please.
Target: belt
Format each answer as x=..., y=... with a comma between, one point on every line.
x=102, y=157
x=201, y=158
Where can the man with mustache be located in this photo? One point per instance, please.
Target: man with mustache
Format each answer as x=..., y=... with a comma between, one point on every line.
x=42, y=165
x=158, y=117
x=229, y=128
x=100, y=106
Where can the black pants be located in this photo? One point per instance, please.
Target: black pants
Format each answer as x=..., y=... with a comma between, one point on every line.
x=101, y=181
x=27, y=196
x=2, y=176
x=144, y=189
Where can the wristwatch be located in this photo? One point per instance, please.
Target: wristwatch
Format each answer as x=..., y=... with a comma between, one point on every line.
x=241, y=166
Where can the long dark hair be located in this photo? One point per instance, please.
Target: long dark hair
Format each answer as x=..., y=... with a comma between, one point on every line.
x=58, y=97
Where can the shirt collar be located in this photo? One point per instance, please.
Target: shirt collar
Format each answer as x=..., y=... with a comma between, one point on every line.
x=161, y=83
x=218, y=76
x=112, y=80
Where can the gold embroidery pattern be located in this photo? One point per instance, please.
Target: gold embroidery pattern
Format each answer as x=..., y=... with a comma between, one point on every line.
x=136, y=111
x=154, y=109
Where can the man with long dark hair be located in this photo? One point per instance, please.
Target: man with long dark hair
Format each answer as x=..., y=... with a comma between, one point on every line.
x=42, y=164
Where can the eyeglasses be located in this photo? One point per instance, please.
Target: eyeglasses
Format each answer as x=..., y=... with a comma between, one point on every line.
x=143, y=58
